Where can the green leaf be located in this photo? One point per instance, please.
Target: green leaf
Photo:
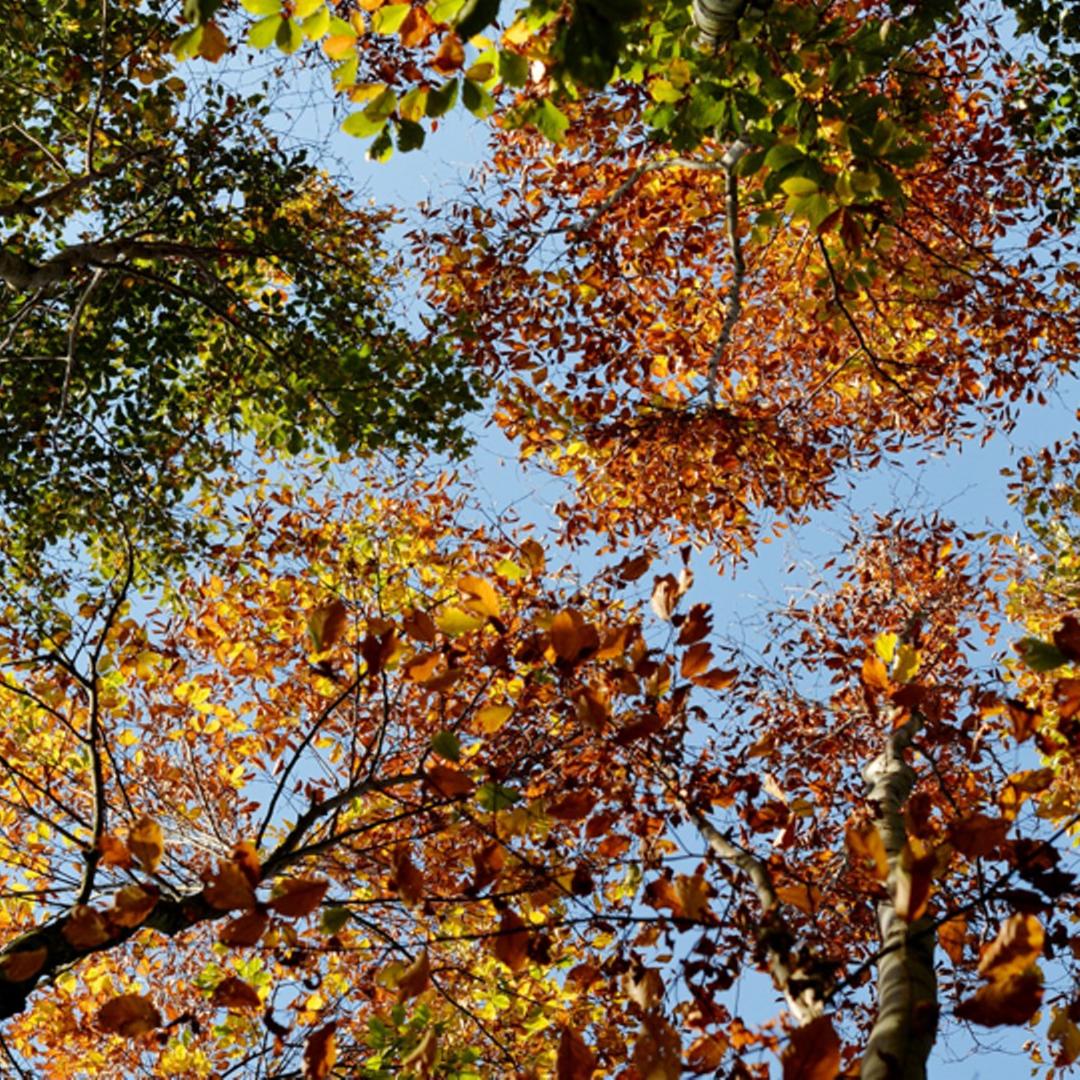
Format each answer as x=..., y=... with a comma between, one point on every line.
x=362, y=126
x=782, y=155
x=289, y=37
x=388, y=20
x=410, y=136
x=333, y=919
x=1040, y=656
x=447, y=745
x=441, y=101
x=477, y=100
x=799, y=185
x=513, y=68
x=303, y=8
x=474, y=16
x=264, y=32
x=549, y=120
x=496, y=797
x=382, y=148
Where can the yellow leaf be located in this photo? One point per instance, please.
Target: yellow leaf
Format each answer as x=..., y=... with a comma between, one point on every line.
x=492, y=717
x=885, y=646
x=483, y=598
x=906, y=664
x=454, y=622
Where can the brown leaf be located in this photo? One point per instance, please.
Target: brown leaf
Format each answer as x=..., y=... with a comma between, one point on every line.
x=574, y=1061
x=488, y=862
x=320, y=1053
x=131, y=905
x=512, y=942
x=706, y=1052
x=572, y=637
x=22, y=964
x=573, y=806
x=1013, y=999
x=449, y=782
x=693, y=895
x=296, y=897
x=813, y=1052
x=632, y=567
x=1067, y=637
x=229, y=888
x=665, y=596
x=717, y=678
x=129, y=1015
x=327, y=623
x=592, y=708
x=85, y=928
x=415, y=978
x=213, y=44
x=146, y=843
x=234, y=993
x=978, y=835
x=1019, y=943
x=407, y=880
x=245, y=930
x=697, y=625
x=658, y=1052
x=953, y=936
x=644, y=986
x=1067, y=698
x=695, y=660
x=449, y=57
x=419, y=626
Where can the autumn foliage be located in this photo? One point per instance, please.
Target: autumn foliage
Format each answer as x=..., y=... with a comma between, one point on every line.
x=313, y=766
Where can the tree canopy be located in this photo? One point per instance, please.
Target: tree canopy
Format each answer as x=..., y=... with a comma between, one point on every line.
x=312, y=766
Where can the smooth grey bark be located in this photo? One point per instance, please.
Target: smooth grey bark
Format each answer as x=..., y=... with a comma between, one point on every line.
x=907, y=1006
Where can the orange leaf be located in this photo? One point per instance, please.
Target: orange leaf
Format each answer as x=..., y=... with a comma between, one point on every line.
x=1067, y=697
x=234, y=993
x=246, y=856
x=574, y=1061
x=245, y=930
x=415, y=978
x=113, y=851
x=85, y=928
x=22, y=964
x=874, y=673
x=147, y=843
x=131, y=905
x=1013, y=999
x=326, y=624
x=296, y=897
x=804, y=897
x=867, y=849
x=417, y=27
x=448, y=59
x=572, y=637
x=717, y=678
x=320, y=1053
x=693, y=895
x=213, y=44
x=423, y=1056
x=657, y=1052
x=422, y=666
x=706, y=1052
x=229, y=888
x=631, y=568
x=1019, y=943
x=128, y=1015
x=449, y=782
x=695, y=660
x=813, y=1052
x=512, y=942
